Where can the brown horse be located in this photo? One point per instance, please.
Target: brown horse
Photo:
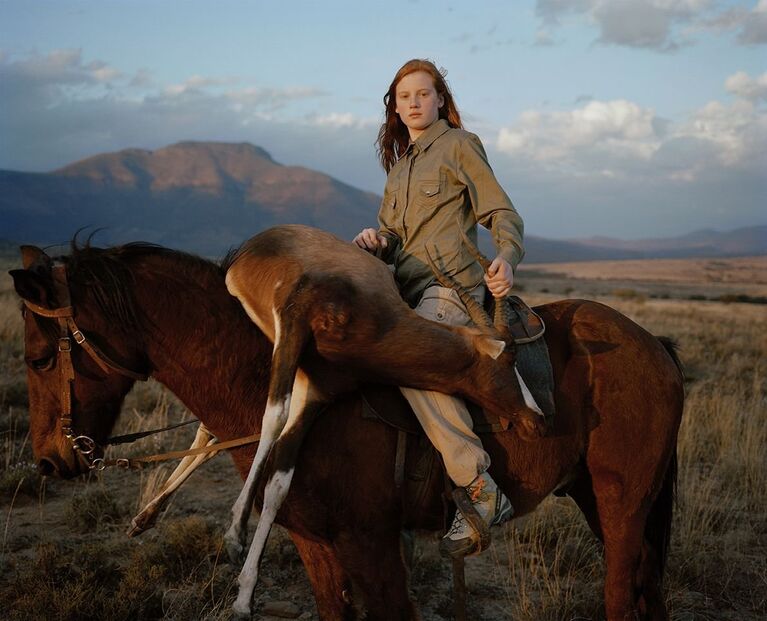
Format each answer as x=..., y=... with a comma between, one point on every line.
x=151, y=310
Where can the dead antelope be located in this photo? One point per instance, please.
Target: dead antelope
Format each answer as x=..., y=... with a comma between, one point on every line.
x=336, y=319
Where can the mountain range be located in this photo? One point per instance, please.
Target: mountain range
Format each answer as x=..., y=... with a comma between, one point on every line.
x=208, y=196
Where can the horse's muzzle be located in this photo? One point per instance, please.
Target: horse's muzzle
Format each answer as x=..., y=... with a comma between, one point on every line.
x=55, y=467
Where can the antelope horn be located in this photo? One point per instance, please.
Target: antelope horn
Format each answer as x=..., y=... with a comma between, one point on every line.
x=473, y=250
x=475, y=310
x=502, y=311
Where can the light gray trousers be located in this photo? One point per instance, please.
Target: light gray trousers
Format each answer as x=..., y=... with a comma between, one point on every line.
x=444, y=418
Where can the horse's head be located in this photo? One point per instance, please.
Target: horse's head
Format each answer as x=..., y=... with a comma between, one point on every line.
x=80, y=347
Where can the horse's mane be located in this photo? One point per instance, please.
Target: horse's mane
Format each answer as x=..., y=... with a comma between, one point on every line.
x=109, y=274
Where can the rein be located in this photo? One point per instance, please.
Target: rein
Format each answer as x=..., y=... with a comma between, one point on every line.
x=135, y=463
x=84, y=446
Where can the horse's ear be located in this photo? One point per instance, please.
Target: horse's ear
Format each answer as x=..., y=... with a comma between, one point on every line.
x=31, y=255
x=31, y=287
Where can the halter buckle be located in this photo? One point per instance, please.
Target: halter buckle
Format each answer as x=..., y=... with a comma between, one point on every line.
x=79, y=337
x=65, y=344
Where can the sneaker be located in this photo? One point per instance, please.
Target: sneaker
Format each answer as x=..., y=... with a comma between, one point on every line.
x=479, y=505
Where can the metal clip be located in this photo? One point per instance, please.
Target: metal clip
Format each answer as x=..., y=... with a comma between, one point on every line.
x=98, y=464
x=88, y=445
x=123, y=463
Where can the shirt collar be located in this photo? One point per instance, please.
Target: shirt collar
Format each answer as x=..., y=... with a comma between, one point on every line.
x=434, y=131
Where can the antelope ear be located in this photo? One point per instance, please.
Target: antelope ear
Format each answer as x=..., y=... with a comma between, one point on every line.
x=31, y=255
x=31, y=287
x=490, y=346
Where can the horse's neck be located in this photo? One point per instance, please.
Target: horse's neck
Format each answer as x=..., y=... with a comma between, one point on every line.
x=208, y=353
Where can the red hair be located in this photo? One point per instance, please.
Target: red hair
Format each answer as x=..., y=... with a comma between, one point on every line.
x=393, y=137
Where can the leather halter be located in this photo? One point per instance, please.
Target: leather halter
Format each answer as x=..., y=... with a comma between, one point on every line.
x=65, y=317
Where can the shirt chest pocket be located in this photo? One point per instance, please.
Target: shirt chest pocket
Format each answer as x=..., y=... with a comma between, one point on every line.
x=430, y=192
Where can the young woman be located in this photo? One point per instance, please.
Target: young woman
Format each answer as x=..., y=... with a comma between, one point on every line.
x=438, y=180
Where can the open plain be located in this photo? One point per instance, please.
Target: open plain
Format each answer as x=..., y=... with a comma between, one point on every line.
x=64, y=555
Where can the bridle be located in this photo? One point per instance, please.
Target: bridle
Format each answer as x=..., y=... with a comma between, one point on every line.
x=84, y=446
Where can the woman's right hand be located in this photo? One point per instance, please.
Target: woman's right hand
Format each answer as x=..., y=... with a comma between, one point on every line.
x=370, y=240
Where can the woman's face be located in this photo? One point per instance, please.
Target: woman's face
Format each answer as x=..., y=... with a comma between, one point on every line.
x=417, y=102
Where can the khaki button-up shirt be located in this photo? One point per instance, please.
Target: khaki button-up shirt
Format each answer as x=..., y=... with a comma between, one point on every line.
x=443, y=181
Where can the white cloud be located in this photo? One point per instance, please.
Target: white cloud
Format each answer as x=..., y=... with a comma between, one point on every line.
x=621, y=139
x=755, y=25
x=738, y=130
x=600, y=132
x=342, y=120
x=662, y=25
x=743, y=85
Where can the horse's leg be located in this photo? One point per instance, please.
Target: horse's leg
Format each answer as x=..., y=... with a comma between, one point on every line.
x=304, y=408
x=330, y=582
x=649, y=579
x=633, y=571
x=374, y=561
x=582, y=493
x=289, y=339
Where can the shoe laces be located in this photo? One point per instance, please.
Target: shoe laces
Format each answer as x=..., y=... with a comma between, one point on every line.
x=458, y=523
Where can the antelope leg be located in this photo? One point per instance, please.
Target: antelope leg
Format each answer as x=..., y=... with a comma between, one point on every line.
x=305, y=406
x=275, y=417
x=146, y=518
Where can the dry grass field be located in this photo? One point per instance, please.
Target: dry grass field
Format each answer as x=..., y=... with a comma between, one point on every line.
x=711, y=279
x=63, y=554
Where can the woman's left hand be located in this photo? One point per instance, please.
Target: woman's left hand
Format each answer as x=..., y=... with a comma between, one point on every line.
x=499, y=277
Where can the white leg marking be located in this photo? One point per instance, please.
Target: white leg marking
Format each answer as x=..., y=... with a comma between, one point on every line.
x=276, y=491
x=274, y=495
x=275, y=417
x=529, y=399
x=272, y=424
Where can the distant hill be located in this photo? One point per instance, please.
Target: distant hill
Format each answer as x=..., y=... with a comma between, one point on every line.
x=748, y=241
x=208, y=196
x=199, y=196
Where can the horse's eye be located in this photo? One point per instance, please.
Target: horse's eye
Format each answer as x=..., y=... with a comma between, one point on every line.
x=42, y=364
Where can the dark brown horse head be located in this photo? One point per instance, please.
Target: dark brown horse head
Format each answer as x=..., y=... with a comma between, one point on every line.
x=102, y=312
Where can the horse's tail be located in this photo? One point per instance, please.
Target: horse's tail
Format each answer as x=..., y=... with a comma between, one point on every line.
x=658, y=528
x=671, y=347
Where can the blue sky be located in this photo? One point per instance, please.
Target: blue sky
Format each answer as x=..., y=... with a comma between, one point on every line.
x=629, y=118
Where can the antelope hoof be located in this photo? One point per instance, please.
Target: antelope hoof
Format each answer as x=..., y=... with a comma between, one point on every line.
x=234, y=546
x=141, y=523
x=240, y=610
